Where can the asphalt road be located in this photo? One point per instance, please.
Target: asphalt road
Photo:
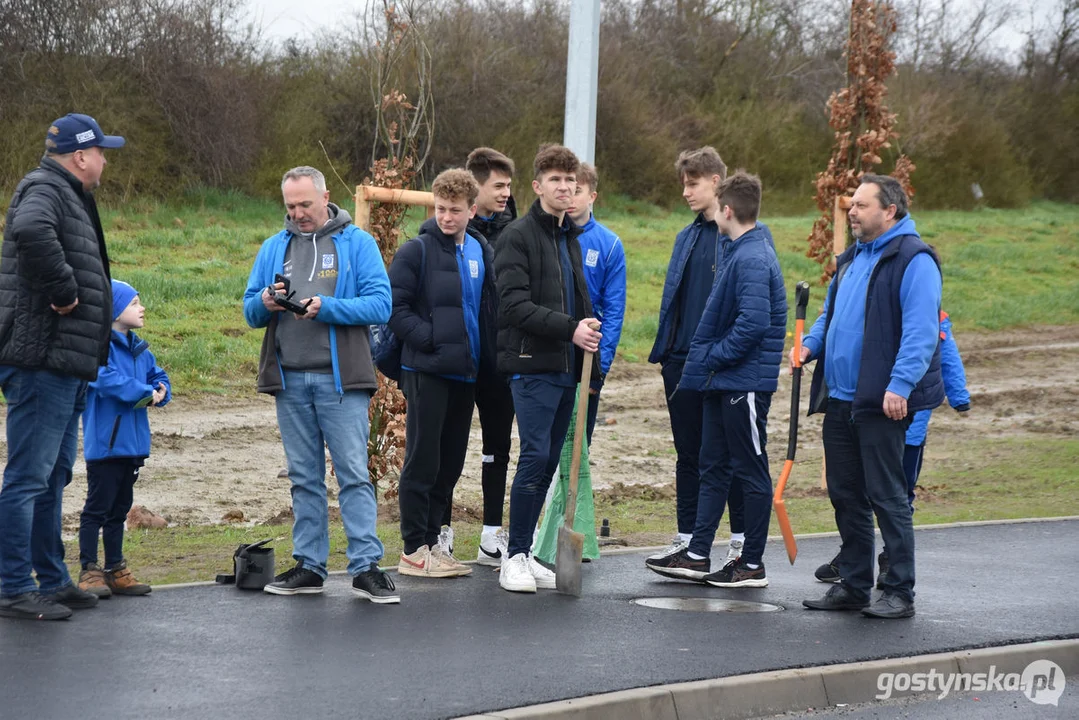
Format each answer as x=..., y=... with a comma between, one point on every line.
x=462, y=646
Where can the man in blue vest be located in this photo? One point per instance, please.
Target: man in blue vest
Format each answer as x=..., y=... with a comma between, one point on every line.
x=878, y=336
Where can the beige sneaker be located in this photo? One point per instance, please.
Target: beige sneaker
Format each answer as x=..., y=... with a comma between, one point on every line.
x=444, y=564
x=415, y=564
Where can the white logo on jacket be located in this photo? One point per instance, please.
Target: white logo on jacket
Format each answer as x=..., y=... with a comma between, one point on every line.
x=592, y=258
x=327, y=261
x=474, y=268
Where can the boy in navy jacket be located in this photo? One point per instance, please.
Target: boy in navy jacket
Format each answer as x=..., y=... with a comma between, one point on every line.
x=116, y=443
x=734, y=360
x=443, y=312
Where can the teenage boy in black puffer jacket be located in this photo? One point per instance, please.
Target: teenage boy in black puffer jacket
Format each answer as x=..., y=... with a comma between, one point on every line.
x=443, y=312
x=544, y=318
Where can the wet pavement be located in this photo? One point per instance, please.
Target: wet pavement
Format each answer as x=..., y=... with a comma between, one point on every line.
x=462, y=646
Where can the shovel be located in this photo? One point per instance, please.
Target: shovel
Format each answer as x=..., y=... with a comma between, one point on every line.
x=801, y=299
x=567, y=565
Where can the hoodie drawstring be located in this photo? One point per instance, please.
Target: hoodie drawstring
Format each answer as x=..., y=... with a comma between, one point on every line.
x=314, y=256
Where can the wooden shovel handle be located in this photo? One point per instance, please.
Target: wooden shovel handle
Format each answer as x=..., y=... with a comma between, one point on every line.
x=578, y=436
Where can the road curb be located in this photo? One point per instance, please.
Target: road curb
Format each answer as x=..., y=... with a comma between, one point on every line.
x=802, y=689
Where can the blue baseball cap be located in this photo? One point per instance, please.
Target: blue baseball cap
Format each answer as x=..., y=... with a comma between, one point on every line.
x=75, y=131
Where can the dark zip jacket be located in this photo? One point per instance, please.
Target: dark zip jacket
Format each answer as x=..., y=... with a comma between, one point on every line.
x=428, y=314
x=535, y=330
x=53, y=254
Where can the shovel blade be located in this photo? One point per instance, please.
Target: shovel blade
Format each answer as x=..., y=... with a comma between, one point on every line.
x=567, y=566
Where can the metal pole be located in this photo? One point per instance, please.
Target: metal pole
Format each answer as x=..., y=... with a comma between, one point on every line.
x=582, y=79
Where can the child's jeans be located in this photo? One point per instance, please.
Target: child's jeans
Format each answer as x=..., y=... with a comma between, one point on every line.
x=109, y=487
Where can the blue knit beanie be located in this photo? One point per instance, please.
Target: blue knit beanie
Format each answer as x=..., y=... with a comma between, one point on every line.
x=122, y=295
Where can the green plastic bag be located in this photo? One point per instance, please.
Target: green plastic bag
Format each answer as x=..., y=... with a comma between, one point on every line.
x=584, y=520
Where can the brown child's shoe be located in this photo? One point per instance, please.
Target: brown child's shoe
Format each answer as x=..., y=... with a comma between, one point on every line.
x=92, y=580
x=122, y=582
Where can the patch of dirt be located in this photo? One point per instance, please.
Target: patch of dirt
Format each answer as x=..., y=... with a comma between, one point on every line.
x=213, y=455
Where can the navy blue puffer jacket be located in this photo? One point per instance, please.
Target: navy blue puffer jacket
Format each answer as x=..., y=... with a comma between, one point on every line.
x=738, y=345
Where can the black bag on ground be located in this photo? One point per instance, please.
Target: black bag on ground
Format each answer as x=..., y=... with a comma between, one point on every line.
x=253, y=567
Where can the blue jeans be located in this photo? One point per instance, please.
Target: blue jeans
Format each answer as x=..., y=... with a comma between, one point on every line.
x=543, y=415
x=311, y=414
x=43, y=410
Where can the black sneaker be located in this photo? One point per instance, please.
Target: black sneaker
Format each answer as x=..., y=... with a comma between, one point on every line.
x=829, y=571
x=297, y=581
x=33, y=606
x=376, y=586
x=882, y=560
x=74, y=598
x=736, y=574
x=680, y=565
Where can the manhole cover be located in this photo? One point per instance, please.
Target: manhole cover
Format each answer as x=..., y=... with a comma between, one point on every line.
x=703, y=604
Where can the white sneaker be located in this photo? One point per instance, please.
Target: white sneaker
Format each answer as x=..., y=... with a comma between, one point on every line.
x=445, y=539
x=516, y=575
x=493, y=548
x=677, y=545
x=545, y=579
x=734, y=551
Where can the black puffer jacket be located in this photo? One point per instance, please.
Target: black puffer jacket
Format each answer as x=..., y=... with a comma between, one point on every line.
x=54, y=253
x=492, y=228
x=535, y=332
x=428, y=315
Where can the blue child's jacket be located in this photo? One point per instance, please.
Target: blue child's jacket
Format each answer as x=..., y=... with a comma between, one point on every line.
x=113, y=427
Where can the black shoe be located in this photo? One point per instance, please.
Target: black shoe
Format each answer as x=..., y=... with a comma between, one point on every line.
x=882, y=560
x=829, y=571
x=74, y=598
x=737, y=574
x=33, y=606
x=680, y=565
x=376, y=586
x=297, y=581
x=890, y=607
x=838, y=597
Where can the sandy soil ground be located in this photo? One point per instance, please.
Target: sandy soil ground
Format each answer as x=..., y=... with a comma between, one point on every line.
x=213, y=456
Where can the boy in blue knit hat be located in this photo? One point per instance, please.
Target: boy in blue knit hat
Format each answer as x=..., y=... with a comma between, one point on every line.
x=116, y=443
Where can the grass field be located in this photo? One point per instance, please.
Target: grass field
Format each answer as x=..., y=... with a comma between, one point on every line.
x=1002, y=268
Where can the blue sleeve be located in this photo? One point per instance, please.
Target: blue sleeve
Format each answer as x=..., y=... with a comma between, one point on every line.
x=158, y=375
x=614, y=304
x=919, y=299
x=119, y=385
x=255, y=313
x=371, y=302
x=951, y=365
x=754, y=315
x=814, y=339
x=918, y=427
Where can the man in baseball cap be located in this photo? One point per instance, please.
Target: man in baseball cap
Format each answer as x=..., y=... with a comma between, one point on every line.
x=75, y=131
x=55, y=326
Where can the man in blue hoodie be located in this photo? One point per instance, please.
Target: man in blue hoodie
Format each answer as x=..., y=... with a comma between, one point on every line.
x=878, y=335
x=733, y=362
x=317, y=365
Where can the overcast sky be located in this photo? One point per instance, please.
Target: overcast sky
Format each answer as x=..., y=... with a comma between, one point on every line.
x=304, y=18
